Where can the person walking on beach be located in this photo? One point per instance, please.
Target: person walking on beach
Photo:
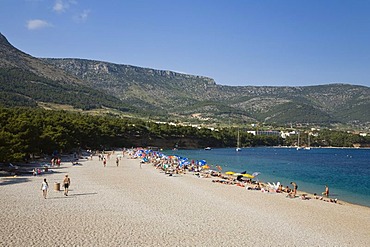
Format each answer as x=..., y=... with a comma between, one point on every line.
x=104, y=162
x=66, y=183
x=44, y=188
x=117, y=161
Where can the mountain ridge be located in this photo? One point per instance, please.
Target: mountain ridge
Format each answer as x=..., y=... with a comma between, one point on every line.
x=28, y=81
x=169, y=95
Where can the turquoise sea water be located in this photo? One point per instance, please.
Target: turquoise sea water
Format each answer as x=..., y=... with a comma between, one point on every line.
x=345, y=171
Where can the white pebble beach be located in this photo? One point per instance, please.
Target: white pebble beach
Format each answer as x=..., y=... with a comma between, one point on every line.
x=132, y=206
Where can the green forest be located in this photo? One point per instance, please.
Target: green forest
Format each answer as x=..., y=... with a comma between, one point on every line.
x=29, y=132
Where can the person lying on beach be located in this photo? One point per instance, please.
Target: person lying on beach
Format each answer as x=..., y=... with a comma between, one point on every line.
x=292, y=194
x=334, y=200
x=223, y=182
x=256, y=187
x=304, y=197
x=240, y=184
x=204, y=175
x=287, y=189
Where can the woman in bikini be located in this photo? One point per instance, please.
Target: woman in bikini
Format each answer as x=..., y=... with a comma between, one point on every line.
x=44, y=188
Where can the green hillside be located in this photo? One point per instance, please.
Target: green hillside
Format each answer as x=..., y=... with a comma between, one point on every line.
x=171, y=96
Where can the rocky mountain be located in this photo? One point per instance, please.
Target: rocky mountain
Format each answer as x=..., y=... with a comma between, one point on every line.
x=165, y=95
x=29, y=81
x=190, y=97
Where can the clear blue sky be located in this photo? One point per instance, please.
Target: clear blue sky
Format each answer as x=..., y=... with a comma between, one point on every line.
x=235, y=42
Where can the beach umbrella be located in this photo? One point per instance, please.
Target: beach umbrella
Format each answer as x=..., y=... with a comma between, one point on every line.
x=237, y=174
x=255, y=174
x=248, y=175
x=202, y=162
x=183, y=163
x=229, y=173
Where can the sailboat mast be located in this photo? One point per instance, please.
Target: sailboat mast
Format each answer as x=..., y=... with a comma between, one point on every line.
x=238, y=142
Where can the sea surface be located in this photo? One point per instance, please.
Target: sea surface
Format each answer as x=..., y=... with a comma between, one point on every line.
x=346, y=171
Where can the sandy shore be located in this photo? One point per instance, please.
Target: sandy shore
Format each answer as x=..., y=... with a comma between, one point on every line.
x=133, y=206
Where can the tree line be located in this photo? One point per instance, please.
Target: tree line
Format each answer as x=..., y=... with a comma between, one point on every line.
x=28, y=132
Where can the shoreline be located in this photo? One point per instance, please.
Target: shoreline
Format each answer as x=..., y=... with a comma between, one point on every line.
x=341, y=193
x=131, y=205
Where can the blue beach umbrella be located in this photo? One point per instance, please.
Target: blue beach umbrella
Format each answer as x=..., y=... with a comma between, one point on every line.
x=202, y=162
x=184, y=163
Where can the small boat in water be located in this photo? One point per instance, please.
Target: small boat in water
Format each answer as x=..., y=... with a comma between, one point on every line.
x=208, y=148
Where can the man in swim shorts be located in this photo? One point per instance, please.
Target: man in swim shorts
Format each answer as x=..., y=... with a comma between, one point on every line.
x=66, y=183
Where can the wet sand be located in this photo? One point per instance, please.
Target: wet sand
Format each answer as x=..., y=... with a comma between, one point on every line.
x=132, y=206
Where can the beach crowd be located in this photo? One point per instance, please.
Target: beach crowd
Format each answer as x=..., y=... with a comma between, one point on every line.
x=172, y=165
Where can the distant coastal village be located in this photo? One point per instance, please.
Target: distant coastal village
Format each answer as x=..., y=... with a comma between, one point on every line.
x=304, y=136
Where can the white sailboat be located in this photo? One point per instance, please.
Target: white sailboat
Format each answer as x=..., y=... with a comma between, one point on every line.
x=298, y=144
x=309, y=144
x=238, y=148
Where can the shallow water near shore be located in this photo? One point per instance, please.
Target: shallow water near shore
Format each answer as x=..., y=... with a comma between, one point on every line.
x=346, y=171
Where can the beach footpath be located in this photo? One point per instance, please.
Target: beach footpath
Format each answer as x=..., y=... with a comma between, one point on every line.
x=133, y=205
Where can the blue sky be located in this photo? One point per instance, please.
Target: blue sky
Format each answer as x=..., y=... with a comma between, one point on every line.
x=235, y=42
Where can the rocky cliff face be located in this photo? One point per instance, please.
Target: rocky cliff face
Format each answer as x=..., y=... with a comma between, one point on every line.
x=159, y=88
x=187, y=96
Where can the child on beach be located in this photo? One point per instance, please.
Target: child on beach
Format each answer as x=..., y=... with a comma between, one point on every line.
x=44, y=188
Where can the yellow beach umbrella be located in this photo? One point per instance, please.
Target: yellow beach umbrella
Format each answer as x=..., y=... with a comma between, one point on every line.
x=229, y=173
x=248, y=175
x=237, y=174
